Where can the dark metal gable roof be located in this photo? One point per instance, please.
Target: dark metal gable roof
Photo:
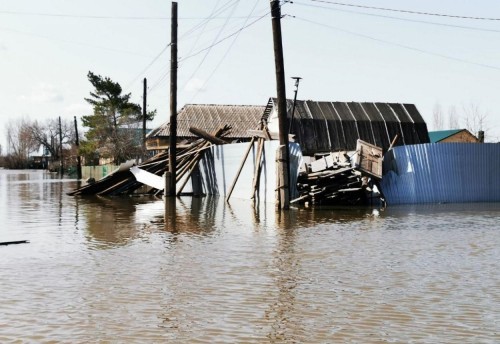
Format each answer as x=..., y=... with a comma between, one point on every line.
x=210, y=117
x=331, y=126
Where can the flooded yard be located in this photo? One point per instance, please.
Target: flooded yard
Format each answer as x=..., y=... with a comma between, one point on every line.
x=203, y=271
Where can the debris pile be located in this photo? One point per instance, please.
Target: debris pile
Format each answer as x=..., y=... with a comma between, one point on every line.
x=342, y=178
x=123, y=181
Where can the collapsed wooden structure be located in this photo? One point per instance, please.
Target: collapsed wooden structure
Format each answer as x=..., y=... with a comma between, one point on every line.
x=342, y=178
x=341, y=144
x=123, y=181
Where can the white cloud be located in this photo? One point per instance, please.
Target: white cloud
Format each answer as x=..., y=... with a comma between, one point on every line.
x=43, y=93
x=195, y=85
x=3, y=47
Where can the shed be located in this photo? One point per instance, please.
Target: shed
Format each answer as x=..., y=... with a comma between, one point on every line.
x=324, y=126
x=208, y=117
x=453, y=135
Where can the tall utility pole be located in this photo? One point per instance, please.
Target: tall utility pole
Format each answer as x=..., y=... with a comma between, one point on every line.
x=61, y=147
x=78, y=157
x=297, y=80
x=283, y=156
x=144, y=112
x=173, y=103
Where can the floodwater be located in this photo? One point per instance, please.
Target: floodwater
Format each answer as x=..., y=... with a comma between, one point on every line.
x=134, y=270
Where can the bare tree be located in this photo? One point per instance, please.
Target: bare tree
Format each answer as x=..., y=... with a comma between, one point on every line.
x=20, y=143
x=437, y=117
x=46, y=134
x=474, y=119
x=453, y=117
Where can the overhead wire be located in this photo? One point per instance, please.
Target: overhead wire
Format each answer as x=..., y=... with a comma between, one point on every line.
x=227, y=51
x=219, y=41
x=396, y=18
x=207, y=52
x=121, y=51
x=165, y=70
x=399, y=44
x=148, y=66
x=225, y=38
x=206, y=20
x=202, y=25
x=81, y=16
x=406, y=11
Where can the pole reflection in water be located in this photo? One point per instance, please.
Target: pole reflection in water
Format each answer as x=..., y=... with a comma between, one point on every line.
x=284, y=326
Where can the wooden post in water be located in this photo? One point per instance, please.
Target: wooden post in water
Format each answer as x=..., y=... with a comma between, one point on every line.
x=170, y=191
x=61, y=148
x=78, y=157
x=144, y=113
x=283, y=155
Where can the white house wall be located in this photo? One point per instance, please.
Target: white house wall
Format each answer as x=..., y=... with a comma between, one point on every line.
x=220, y=164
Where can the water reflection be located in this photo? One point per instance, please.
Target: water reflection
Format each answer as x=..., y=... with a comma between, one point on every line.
x=199, y=270
x=193, y=215
x=286, y=276
x=111, y=221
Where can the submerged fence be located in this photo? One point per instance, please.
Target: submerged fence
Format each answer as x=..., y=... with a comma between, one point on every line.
x=97, y=172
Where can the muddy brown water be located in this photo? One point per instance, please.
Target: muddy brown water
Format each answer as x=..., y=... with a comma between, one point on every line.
x=134, y=270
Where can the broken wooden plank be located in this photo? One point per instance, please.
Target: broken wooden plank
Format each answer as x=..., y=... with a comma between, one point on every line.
x=240, y=168
x=209, y=137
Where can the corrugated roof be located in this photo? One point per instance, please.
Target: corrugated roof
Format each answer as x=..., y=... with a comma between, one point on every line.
x=321, y=126
x=439, y=135
x=210, y=117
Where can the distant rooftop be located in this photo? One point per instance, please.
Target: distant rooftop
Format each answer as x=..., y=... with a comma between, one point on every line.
x=440, y=135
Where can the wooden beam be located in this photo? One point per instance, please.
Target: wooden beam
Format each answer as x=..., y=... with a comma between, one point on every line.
x=209, y=137
x=240, y=168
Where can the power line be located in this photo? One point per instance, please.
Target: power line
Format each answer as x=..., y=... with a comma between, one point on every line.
x=215, y=11
x=401, y=45
x=181, y=60
x=162, y=78
x=398, y=18
x=203, y=26
x=207, y=52
x=149, y=65
x=81, y=16
x=228, y=50
x=73, y=42
x=406, y=11
x=225, y=38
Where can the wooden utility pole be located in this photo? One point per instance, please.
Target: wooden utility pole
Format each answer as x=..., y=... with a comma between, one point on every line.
x=78, y=158
x=144, y=114
x=283, y=155
x=170, y=191
x=297, y=80
x=61, y=147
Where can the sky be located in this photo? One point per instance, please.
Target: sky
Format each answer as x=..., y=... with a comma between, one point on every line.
x=429, y=53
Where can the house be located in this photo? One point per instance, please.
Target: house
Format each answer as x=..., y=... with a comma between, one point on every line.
x=208, y=117
x=454, y=135
x=323, y=126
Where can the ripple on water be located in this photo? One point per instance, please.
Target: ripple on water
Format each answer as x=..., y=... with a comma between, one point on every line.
x=201, y=271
